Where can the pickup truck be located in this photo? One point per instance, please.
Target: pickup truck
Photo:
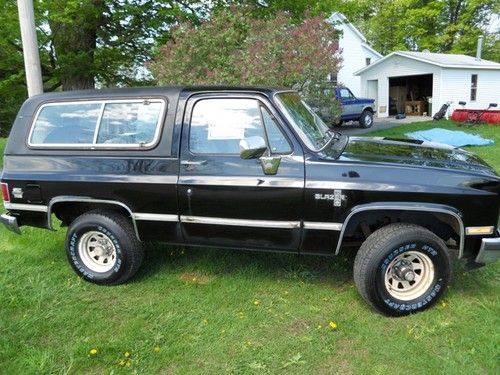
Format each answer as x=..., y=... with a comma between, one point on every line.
x=245, y=168
x=354, y=109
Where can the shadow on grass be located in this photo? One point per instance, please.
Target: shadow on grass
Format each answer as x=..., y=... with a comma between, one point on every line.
x=332, y=271
x=164, y=258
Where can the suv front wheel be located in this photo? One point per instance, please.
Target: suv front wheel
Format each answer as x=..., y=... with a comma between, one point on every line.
x=102, y=247
x=366, y=119
x=402, y=269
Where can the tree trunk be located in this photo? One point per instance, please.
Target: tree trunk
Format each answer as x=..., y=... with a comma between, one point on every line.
x=75, y=40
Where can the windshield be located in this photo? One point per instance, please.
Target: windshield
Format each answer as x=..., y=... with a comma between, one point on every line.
x=312, y=130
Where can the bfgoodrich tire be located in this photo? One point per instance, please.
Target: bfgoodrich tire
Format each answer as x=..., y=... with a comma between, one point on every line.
x=402, y=269
x=102, y=247
x=366, y=119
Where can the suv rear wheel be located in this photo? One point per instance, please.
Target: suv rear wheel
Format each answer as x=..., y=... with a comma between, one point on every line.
x=402, y=269
x=102, y=247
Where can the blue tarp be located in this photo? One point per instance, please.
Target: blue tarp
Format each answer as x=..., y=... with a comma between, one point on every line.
x=450, y=137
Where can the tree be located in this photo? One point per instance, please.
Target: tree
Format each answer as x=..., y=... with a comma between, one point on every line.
x=86, y=42
x=108, y=41
x=235, y=49
x=445, y=26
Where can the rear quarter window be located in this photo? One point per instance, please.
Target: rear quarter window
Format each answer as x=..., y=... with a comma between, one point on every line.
x=66, y=124
x=98, y=124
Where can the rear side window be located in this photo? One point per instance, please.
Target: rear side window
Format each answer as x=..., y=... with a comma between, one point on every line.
x=122, y=123
x=64, y=124
x=129, y=123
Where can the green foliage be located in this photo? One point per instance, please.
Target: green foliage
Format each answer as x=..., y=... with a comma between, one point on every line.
x=233, y=48
x=449, y=26
x=12, y=87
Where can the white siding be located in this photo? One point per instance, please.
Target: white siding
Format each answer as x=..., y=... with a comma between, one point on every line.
x=354, y=56
x=456, y=85
x=398, y=66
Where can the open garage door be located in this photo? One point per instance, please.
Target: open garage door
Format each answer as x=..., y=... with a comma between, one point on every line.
x=410, y=94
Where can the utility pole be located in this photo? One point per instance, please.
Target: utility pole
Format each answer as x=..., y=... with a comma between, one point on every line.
x=30, y=47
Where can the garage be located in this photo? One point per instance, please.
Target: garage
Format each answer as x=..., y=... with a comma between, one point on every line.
x=419, y=83
x=410, y=95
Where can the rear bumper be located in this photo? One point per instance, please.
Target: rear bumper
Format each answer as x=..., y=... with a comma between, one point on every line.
x=10, y=223
x=489, y=251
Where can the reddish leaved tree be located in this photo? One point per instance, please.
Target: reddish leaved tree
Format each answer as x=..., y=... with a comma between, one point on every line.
x=233, y=48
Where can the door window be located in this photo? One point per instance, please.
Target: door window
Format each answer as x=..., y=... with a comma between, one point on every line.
x=346, y=94
x=218, y=125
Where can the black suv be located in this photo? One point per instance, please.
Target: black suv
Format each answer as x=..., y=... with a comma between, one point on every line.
x=247, y=168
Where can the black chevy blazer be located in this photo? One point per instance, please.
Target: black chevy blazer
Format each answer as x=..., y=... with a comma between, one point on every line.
x=246, y=168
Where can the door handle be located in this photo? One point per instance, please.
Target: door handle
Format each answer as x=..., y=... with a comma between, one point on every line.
x=192, y=162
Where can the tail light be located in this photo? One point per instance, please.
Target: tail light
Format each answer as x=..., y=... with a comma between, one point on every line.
x=5, y=192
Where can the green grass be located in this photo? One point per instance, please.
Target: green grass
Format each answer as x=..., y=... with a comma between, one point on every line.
x=218, y=311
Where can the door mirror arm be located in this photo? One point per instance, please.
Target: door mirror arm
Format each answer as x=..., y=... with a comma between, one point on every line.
x=256, y=148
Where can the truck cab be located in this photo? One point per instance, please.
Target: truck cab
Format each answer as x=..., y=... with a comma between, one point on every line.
x=246, y=169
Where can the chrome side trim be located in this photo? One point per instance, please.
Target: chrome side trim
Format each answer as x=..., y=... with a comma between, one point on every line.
x=88, y=200
x=239, y=222
x=406, y=208
x=156, y=217
x=25, y=207
x=322, y=225
x=242, y=181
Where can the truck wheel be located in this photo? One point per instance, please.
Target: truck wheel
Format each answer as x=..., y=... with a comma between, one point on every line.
x=402, y=269
x=366, y=119
x=102, y=247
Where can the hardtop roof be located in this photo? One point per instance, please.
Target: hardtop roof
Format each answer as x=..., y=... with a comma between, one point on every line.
x=151, y=91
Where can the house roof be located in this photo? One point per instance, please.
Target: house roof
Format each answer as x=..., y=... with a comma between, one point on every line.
x=444, y=60
x=339, y=17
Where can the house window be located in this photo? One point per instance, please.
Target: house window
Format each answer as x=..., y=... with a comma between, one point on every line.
x=368, y=61
x=473, y=87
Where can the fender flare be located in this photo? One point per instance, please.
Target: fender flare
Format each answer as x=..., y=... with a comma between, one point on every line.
x=407, y=206
x=78, y=199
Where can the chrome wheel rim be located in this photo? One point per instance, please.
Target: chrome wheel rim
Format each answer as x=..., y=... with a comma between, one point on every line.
x=409, y=275
x=368, y=120
x=97, y=251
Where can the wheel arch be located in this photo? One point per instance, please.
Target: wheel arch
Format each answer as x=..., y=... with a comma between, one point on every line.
x=85, y=204
x=452, y=215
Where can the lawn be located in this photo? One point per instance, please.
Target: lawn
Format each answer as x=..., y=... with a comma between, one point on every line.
x=203, y=311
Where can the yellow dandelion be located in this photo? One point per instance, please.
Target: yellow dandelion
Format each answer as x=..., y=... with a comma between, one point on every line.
x=332, y=325
x=93, y=352
x=156, y=349
x=123, y=363
x=256, y=302
x=127, y=355
x=443, y=304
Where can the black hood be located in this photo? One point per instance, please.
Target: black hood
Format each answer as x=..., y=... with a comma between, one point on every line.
x=413, y=152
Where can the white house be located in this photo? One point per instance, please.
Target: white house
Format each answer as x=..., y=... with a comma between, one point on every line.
x=356, y=53
x=402, y=79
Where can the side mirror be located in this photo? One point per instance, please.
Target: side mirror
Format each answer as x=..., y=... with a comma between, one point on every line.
x=493, y=105
x=462, y=103
x=252, y=147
